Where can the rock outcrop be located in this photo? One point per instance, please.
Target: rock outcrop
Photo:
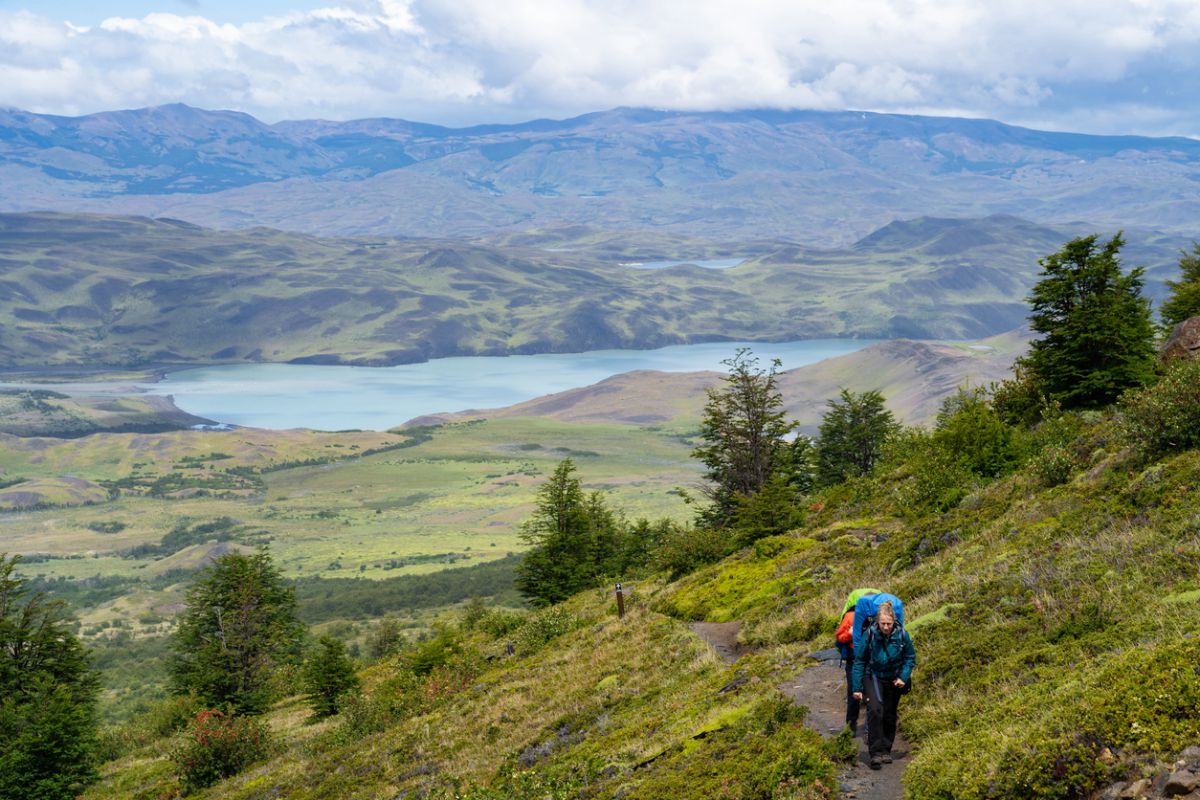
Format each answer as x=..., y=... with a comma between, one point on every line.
x=1184, y=341
x=1179, y=780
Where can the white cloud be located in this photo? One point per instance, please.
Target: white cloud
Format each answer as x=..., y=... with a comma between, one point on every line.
x=459, y=61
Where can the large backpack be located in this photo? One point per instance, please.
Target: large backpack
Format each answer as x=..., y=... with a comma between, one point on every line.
x=844, y=646
x=867, y=607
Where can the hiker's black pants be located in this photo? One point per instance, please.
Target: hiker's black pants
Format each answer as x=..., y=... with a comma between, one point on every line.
x=851, y=703
x=883, y=701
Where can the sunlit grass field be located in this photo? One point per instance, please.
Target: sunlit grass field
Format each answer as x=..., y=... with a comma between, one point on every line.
x=465, y=491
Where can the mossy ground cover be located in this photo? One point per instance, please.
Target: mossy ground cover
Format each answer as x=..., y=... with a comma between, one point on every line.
x=1056, y=642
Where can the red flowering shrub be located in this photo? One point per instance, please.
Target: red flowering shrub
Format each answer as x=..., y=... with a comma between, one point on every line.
x=217, y=745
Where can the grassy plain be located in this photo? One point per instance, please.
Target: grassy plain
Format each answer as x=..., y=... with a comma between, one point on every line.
x=461, y=493
x=92, y=512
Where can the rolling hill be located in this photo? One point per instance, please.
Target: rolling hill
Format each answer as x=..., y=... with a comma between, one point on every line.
x=87, y=290
x=914, y=377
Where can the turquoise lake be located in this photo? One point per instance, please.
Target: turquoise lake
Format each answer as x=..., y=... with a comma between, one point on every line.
x=378, y=398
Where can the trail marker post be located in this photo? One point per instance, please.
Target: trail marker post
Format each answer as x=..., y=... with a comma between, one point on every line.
x=620, y=603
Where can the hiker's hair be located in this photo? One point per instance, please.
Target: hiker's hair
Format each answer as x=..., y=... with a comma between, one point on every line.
x=885, y=612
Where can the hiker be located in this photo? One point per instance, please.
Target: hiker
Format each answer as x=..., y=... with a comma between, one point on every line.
x=845, y=646
x=883, y=665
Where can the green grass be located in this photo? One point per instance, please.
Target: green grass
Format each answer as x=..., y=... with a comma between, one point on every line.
x=452, y=500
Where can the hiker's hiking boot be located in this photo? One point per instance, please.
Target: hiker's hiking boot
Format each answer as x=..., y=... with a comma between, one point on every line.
x=886, y=758
x=876, y=762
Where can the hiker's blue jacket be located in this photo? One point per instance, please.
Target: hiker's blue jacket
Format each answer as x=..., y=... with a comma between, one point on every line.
x=887, y=657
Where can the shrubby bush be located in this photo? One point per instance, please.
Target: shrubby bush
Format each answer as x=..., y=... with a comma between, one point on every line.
x=930, y=477
x=970, y=431
x=216, y=746
x=1053, y=465
x=385, y=638
x=773, y=510
x=164, y=718
x=496, y=622
x=1164, y=417
x=686, y=548
x=543, y=627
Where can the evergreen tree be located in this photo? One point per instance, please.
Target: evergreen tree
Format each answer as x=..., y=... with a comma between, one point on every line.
x=328, y=675
x=1184, y=302
x=47, y=697
x=745, y=436
x=239, y=624
x=970, y=430
x=573, y=539
x=852, y=434
x=1097, y=338
x=772, y=510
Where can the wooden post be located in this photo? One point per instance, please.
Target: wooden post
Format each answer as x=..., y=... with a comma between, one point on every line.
x=620, y=602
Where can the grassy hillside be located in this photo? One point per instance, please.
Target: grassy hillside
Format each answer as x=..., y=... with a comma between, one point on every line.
x=48, y=412
x=914, y=377
x=93, y=291
x=1053, y=611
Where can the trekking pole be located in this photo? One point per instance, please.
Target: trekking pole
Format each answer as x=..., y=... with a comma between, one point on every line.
x=620, y=603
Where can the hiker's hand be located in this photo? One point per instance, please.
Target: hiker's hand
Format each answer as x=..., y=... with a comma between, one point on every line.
x=899, y=684
x=858, y=695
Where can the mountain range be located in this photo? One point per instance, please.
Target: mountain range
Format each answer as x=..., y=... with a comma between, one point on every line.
x=815, y=178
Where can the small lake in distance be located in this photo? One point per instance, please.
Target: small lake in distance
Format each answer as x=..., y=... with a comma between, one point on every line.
x=377, y=398
x=715, y=263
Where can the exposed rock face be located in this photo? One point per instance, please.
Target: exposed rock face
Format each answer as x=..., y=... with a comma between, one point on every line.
x=1184, y=341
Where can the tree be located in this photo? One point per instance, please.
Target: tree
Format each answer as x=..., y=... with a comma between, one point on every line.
x=970, y=430
x=771, y=511
x=852, y=434
x=239, y=623
x=745, y=436
x=328, y=675
x=1097, y=338
x=47, y=697
x=1184, y=302
x=574, y=539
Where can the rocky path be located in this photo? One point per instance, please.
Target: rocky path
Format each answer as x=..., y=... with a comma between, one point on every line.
x=822, y=688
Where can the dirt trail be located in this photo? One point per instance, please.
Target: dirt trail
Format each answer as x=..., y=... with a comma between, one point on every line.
x=822, y=688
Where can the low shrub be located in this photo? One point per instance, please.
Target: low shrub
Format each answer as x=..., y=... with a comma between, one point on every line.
x=164, y=718
x=1053, y=465
x=543, y=627
x=686, y=549
x=424, y=657
x=1165, y=416
x=216, y=746
x=496, y=622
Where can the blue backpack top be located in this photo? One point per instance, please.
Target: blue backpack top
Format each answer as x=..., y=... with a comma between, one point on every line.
x=867, y=607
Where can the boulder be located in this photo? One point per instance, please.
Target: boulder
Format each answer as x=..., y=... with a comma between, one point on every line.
x=1184, y=341
x=1181, y=782
x=1191, y=755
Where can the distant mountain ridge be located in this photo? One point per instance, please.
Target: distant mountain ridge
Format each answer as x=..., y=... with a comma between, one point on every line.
x=823, y=178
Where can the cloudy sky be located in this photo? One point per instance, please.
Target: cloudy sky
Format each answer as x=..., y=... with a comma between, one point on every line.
x=1105, y=66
